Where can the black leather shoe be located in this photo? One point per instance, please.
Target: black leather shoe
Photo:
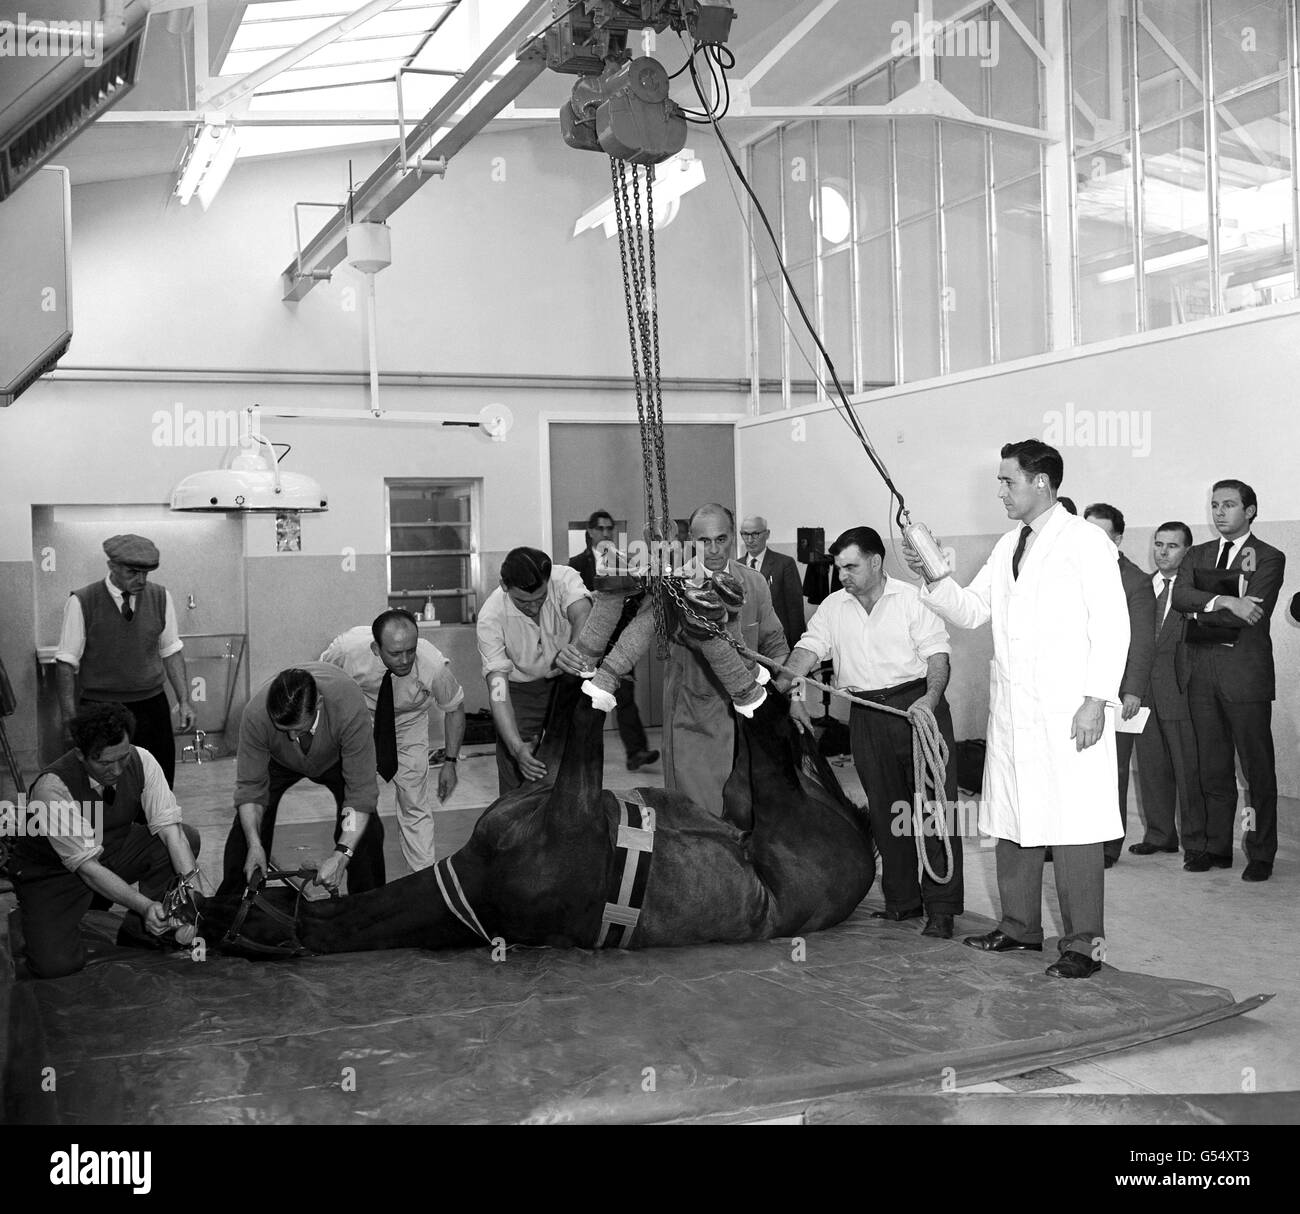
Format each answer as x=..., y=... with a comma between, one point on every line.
x=898, y=916
x=1149, y=849
x=938, y=926
x=1073, y=965
x=1257, y=870
x=999, y=942
x=1109, y=861
x=1219, y=861
x=1197, y=862
x=642, y=758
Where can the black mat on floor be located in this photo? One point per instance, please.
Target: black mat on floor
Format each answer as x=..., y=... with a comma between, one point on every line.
x=549, y=1035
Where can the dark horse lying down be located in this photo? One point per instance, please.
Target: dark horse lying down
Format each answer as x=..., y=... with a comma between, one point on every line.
x=791, y=855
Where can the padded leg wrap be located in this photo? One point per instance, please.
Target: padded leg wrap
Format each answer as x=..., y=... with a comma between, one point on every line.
x=737, y=678
x=601, y=699
x=606, y=610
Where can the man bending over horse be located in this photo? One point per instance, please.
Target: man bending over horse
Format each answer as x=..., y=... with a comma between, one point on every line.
x=80, y=839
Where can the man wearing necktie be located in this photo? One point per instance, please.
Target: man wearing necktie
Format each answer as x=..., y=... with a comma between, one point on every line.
x=1231, y=688
x=782, y=573
x=1166, y=750
x=308, y=722
x=1052, y=590
x=1141, y=652
x=100, y=819
x=403, y=678
x=119, y=638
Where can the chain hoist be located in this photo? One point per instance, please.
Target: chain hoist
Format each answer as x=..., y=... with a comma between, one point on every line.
x=640, y=282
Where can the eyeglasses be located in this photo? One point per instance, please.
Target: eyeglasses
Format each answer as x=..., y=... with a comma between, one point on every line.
x=753, y=535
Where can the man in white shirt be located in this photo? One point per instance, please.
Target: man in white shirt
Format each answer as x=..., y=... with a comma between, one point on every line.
x=119, y=637
x=887, y=646
x=404, y=677
x=80, y=837
x=537, y=611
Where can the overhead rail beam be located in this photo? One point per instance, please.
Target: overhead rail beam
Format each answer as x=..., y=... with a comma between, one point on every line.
x=391, y=184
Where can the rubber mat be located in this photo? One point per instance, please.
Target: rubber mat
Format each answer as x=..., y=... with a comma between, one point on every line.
x=549, y=1035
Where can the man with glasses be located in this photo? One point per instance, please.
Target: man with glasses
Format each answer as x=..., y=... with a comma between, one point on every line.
x=782, y=573
x=119, y=639
x=308, y=722
x=600, y=528
x=536, y=612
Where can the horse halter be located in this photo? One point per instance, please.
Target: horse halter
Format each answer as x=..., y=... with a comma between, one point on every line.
x=296, y=879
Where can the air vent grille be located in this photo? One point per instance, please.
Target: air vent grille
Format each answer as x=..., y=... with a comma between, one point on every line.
x=93, y=91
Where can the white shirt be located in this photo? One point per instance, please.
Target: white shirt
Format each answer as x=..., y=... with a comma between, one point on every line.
x=72, y=640
x=72, y=831
x=1158, y=585
x=882, y=649
x=1234, y=550
x=521, y=648
x=430, y=678
x=754, y=562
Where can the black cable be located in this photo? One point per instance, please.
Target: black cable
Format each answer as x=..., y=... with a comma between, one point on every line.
x=847, y=411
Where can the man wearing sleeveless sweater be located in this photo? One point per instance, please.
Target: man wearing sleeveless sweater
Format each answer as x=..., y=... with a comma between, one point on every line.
x=119, y=640
x=81, y=837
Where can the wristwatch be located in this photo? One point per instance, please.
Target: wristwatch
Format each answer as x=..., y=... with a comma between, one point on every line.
x=344, y=848
x=450, y=758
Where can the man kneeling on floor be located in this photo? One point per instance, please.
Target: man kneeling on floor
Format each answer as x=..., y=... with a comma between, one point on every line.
x=80, y=838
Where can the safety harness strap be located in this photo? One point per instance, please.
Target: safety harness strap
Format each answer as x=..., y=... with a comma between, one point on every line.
x=635, y=848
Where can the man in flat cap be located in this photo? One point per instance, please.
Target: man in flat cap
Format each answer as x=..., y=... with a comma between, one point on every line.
x=119, y=640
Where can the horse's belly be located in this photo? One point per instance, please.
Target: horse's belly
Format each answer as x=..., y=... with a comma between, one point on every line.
x=702, y=887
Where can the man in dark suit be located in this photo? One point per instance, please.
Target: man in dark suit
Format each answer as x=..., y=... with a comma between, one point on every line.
x=1231, y=688
x=1141, y=653
x=600, y=527
x=782, y=573
x=1168, y=771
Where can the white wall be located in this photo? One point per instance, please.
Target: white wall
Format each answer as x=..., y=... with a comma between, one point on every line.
x=1215, y=400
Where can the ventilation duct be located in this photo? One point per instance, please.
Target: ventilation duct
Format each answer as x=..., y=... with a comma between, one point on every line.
x=61, y=66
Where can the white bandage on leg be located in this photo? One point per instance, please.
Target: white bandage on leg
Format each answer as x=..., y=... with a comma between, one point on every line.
x=602, y=700
x=748, y=710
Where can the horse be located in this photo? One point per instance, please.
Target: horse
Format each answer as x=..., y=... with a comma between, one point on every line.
x=565, y=863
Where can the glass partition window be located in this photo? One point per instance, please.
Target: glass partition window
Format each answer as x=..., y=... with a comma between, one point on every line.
x=921, y=247
x=433, y=547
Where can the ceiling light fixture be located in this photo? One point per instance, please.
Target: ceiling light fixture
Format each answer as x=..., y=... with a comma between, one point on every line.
x=249, y=481
x=211, y=155
x=673, y=178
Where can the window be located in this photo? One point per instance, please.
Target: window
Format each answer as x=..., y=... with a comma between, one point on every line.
x=433, y=547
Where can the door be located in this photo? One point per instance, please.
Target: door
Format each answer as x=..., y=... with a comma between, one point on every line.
x=201, y=565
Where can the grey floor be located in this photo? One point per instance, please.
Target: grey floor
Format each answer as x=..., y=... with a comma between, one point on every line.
x=1212, y=927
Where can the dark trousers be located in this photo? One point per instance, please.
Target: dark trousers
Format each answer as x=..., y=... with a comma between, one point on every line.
x=1079, y=889
x=1124, y=757
x=630, y=729
x=365, y=869
x=153, y=731
x=882, y=753
x=1247, y=728
x=1168, y=776
x=54, y=901
x=530, y=702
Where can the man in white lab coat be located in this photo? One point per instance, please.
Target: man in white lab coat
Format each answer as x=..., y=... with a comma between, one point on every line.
x=1060, y=640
